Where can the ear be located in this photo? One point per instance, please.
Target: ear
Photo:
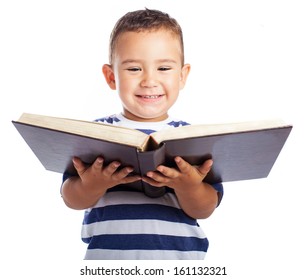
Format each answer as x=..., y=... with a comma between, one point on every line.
x=184, y=74
x=109, y=75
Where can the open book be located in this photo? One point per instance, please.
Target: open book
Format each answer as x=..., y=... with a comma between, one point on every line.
x=240, y=151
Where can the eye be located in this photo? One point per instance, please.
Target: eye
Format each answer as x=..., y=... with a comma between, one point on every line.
x=134, y=69
x=164, y=68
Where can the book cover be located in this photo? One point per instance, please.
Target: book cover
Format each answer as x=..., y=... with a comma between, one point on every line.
x=238, y=155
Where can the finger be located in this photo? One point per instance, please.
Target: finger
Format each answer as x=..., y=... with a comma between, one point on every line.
x=183, y=165
x=157, y=177
x=98, y=163
x=205, y=167
x=152, y=182
x=124, y=172
x=111, y=168
x=78, y=165
x=168, y=172
x=130, y=179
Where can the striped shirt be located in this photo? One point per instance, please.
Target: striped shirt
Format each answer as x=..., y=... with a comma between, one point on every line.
x=127, y=224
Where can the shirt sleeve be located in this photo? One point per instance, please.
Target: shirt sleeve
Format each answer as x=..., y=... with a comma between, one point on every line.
x=66, y=176
x=219, y=188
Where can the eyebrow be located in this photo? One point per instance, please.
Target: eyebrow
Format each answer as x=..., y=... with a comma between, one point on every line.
x=166, y=60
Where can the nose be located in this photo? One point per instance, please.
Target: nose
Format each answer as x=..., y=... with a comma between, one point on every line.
x=148, y=79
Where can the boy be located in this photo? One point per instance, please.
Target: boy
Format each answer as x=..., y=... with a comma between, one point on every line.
x=147, y=69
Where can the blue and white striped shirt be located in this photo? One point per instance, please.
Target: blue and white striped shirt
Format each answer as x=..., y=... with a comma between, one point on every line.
x=127, y=224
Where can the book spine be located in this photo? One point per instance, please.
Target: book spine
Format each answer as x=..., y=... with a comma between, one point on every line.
x=148, y=161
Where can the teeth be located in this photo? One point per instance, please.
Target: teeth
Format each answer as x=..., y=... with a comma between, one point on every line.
x=151, y=96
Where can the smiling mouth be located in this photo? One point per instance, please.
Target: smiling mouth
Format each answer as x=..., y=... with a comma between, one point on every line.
x=150, y=96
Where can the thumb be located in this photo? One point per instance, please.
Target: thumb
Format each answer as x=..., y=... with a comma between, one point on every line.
x=78, y=165
x=205, y=167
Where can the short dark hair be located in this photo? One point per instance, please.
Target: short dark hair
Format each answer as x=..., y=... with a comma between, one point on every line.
x=144, y=20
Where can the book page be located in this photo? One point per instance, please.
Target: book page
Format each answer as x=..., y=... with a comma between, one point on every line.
x=122, y=135
x=192, y=131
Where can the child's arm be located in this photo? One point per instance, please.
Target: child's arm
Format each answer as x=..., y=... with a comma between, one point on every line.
x=83, y=191
x=197, y=198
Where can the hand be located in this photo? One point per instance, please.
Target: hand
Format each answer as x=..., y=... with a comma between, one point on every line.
x=100, y=177
x=196, y=198
x=185, y=178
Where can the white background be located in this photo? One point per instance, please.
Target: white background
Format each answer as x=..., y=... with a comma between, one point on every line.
x=248, y=62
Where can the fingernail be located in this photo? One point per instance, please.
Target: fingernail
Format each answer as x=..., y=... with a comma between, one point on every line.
x=177, y=159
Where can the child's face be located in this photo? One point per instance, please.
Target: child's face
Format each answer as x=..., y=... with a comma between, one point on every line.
x=148, y=74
